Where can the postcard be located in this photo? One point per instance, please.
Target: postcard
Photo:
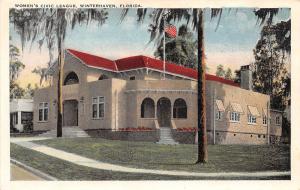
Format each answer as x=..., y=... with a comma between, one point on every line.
x=118, y=94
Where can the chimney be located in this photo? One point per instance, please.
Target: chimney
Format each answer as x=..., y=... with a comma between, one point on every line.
x=246, y=77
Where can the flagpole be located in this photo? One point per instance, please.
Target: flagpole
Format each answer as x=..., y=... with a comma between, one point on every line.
x=164, y=45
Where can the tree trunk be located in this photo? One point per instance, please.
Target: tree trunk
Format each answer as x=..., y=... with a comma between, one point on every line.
x=202, y=138
x=59, y=94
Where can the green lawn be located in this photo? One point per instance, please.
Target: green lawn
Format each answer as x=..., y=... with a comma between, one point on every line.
x=222, y=158
x=63, y=170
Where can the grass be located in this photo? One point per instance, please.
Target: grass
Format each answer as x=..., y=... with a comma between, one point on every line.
x=222, y=158
x=63, y=170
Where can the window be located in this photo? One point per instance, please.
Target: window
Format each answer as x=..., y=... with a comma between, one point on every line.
x=179, y=109
x=43, y=111
x=264, y=120
x=26, y=117
x=277, y=120
x=147, y=108
x=132, y=78
x=251, y=119
x=71, y=78
x=234, y=116
x=98, y=107
x=219, y=115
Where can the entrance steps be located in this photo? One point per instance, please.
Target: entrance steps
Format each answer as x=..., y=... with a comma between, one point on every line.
x=166, y=136
x=68, y=132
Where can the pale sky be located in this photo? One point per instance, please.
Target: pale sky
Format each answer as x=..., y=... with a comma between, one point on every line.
x=230, y=45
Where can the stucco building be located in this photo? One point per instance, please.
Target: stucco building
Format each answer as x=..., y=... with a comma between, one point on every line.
x=134, y=99
x=21, y=113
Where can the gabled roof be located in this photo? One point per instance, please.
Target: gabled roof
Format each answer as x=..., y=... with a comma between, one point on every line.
x=137, y=62
x=94, y=61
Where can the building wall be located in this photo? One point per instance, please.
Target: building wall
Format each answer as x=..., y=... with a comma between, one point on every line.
x=123, y=99
x=45, y=95
x=228, y=132
x=137, y=91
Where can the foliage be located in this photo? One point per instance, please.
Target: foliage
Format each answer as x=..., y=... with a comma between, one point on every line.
x=15, y=90
x=270, y=74
x=266, y=15
x=220, y=72
x=237, y=78
x=42, y=72
x=28, y=127
x=15, y=65
x=29, y=91
x=228, y=74
x=51, y=26
x=286, y=129
x=182, y=50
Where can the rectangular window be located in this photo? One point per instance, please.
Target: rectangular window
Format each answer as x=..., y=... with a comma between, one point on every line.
x=26, y=117
x=234, y=116
x=219, y=115
x=98, y=107
x=43, y=111
x=251, y=119
x=277, y=120
x=264, y=120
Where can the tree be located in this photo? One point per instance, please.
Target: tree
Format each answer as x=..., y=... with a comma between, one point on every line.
x=181, y=50
x=15, y=90
x=228, y=74
x=15, y=67
x=237, y=78
x=51, y=25
x=29, y=91
x=270, y=63
x=220, y=71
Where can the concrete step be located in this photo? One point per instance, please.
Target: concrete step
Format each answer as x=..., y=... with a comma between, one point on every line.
x=166, y=136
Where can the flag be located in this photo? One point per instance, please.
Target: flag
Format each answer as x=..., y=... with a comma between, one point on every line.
x=171, y=31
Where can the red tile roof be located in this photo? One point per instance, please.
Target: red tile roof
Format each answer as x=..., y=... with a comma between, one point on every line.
x=136, y=62
x=94, y=61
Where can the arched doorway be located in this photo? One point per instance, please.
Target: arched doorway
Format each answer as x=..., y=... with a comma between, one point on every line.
x=164, y=112
x=70, y=113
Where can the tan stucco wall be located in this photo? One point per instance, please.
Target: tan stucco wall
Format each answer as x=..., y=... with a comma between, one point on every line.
x=229, y=94
x=45, y=95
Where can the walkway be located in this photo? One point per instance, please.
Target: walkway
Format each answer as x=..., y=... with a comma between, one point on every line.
x=18, y=173
x=83, y=161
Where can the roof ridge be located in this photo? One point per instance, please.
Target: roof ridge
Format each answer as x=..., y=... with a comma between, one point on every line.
x=133, y=62
x=90, y=54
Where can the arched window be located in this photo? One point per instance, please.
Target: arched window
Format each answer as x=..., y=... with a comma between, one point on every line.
x=103, y=77
x=71, y=78
x=179, y=109
x=147, y=108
